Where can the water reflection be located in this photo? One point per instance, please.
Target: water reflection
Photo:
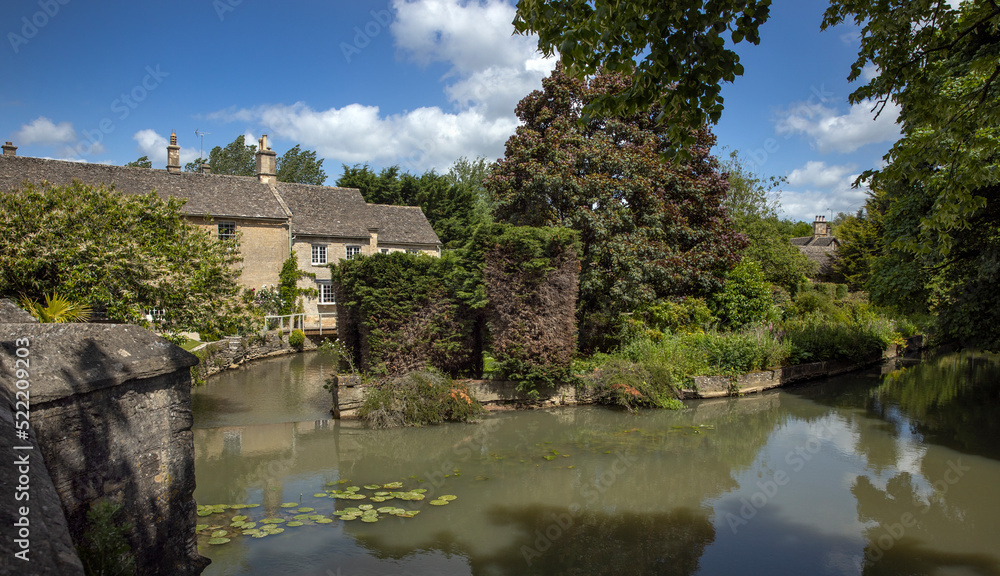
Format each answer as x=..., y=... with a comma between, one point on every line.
x=594, y=491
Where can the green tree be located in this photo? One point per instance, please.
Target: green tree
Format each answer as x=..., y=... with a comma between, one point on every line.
x=649, y=230
x=196, y=165
x=124, y=253
x=473, y=174
x=300, y=166
x=450, y=206
x=380, y=188
x=141, y=162
x=288, y=286
x=237, y=159
x=753, y=204
x=677, y=45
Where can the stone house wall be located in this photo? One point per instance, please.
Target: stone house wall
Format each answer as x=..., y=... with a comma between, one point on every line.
x=263, y=245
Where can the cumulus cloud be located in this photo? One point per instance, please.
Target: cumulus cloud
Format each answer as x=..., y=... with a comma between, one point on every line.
x=817, y=188
x=491, y=69
x=833, y=132
x=154, y=146
x=41, y=130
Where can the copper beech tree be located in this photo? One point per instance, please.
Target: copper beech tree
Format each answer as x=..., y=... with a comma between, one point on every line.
x=649, y=229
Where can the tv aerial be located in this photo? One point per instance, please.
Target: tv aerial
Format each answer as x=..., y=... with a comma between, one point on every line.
x=201, y=151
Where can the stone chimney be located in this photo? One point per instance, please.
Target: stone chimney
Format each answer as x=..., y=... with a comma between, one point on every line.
x=373, y=239
x=9, y=149
x=266, y=162
x=820, y=226
x=205, y=168
x=173, y=155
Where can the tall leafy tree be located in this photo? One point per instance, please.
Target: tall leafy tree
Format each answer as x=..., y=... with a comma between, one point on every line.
x=300, y=166
x=472, y=174
x=752, y=202
x=682, y=45
x=649, y=229
x=128, y=253
x=450, y=206
x=237, y=158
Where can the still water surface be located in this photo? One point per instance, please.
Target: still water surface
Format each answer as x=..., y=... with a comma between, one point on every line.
x=868, y=473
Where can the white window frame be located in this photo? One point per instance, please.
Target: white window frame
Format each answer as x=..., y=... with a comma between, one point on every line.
x=227, y=230
x=326, y=293
x=412, y=251
x=318, y=254
x=384, y=250
x=352, y=251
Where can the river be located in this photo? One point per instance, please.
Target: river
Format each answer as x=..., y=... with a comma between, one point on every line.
x=877, y=472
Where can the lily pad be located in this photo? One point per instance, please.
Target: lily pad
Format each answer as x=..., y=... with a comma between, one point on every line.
x=200, y=527
x=294, y=523
x=352, y=489
x=320, y=495
x=348, y=517
x=369, y=519
x=272, y=520
x=289, y=504
x=386, y=510
x=419, y=491
x=447, y=497
x=237, y=524
x=205, y=512
x=219, y=533
x=365, y=507
x=372, y=486
x=324, y=521
x=357, y=497
x=249, y=525
x=378, y=499
x=439, y=502
x=215, y=541
x=306, y=509
x=393, y=485
x=276, y=530
x=239, y=518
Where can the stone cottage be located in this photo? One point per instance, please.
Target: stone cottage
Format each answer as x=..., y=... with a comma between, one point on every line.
x=321, y=224
x=821, y=247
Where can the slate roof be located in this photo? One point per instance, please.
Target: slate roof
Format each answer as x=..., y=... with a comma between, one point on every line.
x=316, y=210
x=217, y=195
x=325, y=210
x=402, y=225
x=819, y=249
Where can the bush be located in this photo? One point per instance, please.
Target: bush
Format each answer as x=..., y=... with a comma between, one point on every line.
x=105, y=550
x=746, y=297
x=417, y=398
x=632, y=385
x=296, y=339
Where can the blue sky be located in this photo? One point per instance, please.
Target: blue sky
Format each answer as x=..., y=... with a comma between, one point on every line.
x=417, y=83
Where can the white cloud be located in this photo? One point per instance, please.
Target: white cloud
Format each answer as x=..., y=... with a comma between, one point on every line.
x=833, y=132
x=418, y=140
x=491, y=70
x=41, y=130
x=817, y=188
x=154, y=146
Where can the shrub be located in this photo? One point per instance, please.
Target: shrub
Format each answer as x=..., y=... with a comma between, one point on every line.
x=746, y=298
x=296, y=339
x=105, y=550
x=417, y=398
x=632, y=385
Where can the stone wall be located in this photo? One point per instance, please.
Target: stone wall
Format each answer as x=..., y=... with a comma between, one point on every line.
x=111, y=411
x=233, y=352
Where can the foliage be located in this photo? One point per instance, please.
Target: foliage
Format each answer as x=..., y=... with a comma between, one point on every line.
x=416, y=399
x=266, y=301
x=531, y=280
x=746, y=297
x=399, y=312
x=300, y=166
x=105, y=550
x=288, y=286
x=656, y=319
x=57, y=309
x=632, y=385
x=296, y=339
x=862, y=336
x=125, y=253
x=141, y=162
x=472, y=174
x=237, y=159
x=681, y=46
x=939, y=65
x=196, y=165
x=753, y=204
x=649, y=230
x=452, y=203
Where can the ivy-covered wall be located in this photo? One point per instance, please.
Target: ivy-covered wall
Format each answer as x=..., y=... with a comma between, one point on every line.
x=511, y=290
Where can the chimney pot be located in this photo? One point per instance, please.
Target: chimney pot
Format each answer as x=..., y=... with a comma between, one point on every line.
x=266, y=162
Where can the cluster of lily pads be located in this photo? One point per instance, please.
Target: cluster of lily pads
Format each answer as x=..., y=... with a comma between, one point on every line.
x=242, y=525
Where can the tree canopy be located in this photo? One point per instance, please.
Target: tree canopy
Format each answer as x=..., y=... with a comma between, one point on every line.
x=681, y=46
x=449, y=203
x=126, y=253
x=240, y=159
x=141, y=162
x=649, y=229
